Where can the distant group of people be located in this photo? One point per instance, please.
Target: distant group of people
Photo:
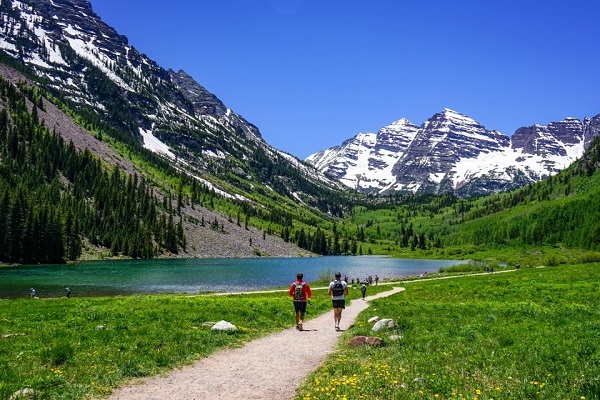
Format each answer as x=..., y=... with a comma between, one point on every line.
x=367, y=281
x=32, y=293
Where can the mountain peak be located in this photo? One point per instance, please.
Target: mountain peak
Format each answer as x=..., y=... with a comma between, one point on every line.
x=453, y=153
x=450, y=114
x=400, y=122
x=447, y=110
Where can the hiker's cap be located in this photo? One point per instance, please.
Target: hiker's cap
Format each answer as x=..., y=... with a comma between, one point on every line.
x=338, y=274
x=299, y=275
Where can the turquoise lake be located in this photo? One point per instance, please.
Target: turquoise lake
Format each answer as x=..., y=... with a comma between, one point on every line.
x=124, y=277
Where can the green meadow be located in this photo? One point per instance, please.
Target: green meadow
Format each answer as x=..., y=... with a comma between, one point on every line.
x=84, y=347
x=528, y=334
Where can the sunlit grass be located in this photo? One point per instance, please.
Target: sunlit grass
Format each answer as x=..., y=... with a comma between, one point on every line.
x=84, y=347
x=68, y=349
x=531, y=334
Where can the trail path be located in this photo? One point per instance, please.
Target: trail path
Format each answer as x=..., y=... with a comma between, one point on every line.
x=263, y=369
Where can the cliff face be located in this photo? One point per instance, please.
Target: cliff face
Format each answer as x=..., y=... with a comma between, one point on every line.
x=591, y=128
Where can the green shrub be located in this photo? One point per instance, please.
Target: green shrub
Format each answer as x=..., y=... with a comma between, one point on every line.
x=588, y=257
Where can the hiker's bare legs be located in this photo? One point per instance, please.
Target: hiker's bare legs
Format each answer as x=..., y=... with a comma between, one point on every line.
x=337, y=316
x=300, y=320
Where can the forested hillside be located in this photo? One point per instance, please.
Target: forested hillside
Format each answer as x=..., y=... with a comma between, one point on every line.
x=59, y=198
x=562, y=211
x=50, y=194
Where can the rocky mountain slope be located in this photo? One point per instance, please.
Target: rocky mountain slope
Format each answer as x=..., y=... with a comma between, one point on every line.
x=452, y=153
x=88, y=64
x=63, y=47
x=230, y=240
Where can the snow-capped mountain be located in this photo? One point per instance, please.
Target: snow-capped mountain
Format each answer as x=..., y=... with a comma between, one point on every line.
x=452, y=153
x=354, y=162
x=90, y=64
x=93, y=69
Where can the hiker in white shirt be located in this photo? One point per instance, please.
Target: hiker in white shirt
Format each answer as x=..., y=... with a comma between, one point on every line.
x=338, y=289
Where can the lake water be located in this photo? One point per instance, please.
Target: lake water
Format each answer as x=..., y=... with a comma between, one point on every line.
x=196, y=275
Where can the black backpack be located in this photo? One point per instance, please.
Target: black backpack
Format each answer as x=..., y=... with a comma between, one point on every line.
x=337, y=289
x=298, y=291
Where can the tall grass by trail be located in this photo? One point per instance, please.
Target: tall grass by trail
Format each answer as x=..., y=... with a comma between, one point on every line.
x=529, y=334
x=84, y=347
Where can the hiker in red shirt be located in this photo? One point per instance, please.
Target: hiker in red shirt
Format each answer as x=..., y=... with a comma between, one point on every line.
x=300, y=292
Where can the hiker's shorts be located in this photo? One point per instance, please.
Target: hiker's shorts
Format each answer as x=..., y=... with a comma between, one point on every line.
x=338, y=303
x=300, y=306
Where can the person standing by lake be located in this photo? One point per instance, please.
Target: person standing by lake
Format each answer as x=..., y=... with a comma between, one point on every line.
x=338, y=289
x=300, y=292
x=363, y=290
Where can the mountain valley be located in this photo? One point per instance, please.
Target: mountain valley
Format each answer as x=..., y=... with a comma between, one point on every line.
x=106, y=154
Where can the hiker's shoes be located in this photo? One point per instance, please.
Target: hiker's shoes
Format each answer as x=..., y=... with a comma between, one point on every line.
x=299, y=326
x=337, y=327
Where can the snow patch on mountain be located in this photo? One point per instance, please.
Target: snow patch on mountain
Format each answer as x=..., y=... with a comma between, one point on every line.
x=152, y=143
x=85, y=47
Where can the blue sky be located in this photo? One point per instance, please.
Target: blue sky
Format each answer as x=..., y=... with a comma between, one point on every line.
x=313, y=73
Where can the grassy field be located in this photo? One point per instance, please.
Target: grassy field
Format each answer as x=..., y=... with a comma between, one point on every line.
x=83, y=347
x=528, y=334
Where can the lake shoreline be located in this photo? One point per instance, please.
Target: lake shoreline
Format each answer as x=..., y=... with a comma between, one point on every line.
x=192, y=276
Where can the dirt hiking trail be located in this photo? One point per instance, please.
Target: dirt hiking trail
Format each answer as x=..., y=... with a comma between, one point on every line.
x=264, y=369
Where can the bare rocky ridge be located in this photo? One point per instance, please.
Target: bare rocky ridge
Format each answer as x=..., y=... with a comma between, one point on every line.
x=232, y=241
x=260, y=370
